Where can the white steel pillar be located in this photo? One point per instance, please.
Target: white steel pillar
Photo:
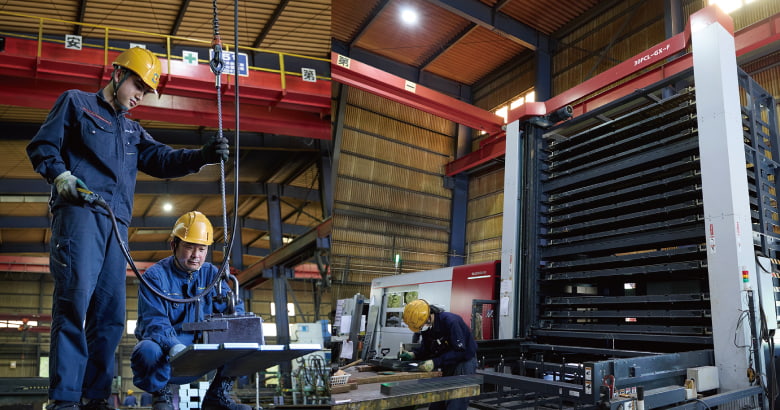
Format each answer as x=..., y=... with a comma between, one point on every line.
x=725, y=191
x=510, y=242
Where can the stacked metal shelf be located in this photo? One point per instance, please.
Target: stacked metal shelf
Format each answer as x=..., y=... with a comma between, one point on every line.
x=622, y=241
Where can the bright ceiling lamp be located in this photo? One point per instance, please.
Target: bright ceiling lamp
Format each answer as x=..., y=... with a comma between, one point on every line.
x=730, y=5
x=409, y=16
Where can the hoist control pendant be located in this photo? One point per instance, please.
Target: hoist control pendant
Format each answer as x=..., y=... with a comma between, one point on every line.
x=219, y=328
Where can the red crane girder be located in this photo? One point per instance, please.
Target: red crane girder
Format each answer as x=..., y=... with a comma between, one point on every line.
x=188, y=95
x=362, y=76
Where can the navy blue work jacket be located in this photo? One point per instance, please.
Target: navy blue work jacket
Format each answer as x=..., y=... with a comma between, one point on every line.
x=160, y=320
x=84, y=135
x=448, y=342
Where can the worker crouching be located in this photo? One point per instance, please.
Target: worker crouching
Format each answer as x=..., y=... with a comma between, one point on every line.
x=159, y=329
x=447, y=344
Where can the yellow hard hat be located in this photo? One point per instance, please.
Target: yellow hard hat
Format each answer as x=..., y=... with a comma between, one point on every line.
x=142, y=62
x=416, y=313
x=130, y=392
x=194, y=227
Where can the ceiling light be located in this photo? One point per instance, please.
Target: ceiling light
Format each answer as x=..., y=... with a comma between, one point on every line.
x=727, y=5
x=167, y=207
x=409, y=16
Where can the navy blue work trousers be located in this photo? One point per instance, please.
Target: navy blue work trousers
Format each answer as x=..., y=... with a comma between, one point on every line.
x=462, y=368
x=88, y=307
x=151, y=368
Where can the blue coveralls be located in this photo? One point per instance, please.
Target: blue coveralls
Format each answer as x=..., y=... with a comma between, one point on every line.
x=130, y=401
x=160, y=322
x=451, y=346
x=83, y=134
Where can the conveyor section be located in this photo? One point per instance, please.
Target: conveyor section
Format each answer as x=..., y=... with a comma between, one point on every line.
x=23, y=392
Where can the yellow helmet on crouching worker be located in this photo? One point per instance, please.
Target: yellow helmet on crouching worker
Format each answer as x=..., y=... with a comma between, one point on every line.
x=142, y=62
x=193, y=227
x=416, y=314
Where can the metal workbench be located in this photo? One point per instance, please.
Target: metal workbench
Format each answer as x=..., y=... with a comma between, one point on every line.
x=407, y=393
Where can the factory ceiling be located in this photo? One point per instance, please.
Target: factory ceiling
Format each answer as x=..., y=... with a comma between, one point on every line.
x=457, y=40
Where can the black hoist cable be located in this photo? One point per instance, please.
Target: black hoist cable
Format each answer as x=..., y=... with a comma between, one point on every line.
x=216, y=64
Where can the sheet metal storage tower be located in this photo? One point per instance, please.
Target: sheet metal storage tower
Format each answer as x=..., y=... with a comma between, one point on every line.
x=640, y=244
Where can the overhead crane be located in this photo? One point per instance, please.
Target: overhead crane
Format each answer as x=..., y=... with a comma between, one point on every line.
x=35, y=71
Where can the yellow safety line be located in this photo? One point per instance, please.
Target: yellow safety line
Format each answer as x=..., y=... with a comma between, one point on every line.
x=168, y=45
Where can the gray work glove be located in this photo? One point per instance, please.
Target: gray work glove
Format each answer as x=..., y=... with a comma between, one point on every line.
x=66, y=185
x=426, y=366
x=176, y=349
x=215, y=150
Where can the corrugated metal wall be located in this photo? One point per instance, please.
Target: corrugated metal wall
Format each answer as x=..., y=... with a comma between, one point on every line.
x=499, y=90
x=389, y=196
x=485, y=216
x=611, y=38
x=757, y=11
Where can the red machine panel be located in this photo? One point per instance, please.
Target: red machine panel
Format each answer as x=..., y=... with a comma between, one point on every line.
x=476, y=282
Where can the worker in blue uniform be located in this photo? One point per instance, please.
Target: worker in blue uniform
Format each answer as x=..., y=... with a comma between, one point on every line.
x=130, y=400
x=447, y=344
x=146, y=399
x=184, y=274
x=88, y=146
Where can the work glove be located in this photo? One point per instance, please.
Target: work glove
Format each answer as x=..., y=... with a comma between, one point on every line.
x=215, y=150
x=66, y=184
x=426, y=366
x=405, y=356
x=176, y=349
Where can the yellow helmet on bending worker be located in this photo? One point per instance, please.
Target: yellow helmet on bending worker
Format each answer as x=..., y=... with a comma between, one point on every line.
x=416, y=314
x=193, y=227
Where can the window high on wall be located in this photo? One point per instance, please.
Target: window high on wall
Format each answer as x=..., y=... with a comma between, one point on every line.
x=730, y=5
x=503, y=110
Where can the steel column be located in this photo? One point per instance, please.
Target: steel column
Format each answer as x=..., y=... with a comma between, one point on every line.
x=326, y=171
x=460, y=193
x=725, y=192
x=510, y=237
x=279, y=274
x=543, y=59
